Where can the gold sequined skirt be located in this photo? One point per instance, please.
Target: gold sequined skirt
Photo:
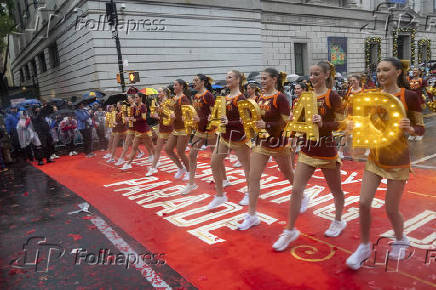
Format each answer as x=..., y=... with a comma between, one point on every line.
x=319, y=162
x=399, y=173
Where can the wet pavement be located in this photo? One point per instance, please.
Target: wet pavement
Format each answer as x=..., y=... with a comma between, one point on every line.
x=37, y=224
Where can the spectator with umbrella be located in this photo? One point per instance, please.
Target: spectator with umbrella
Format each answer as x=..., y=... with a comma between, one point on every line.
x=28, y=139
x=84, y=124
x=42, y=128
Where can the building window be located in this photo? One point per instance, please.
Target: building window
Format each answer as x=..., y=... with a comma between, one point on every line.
x=34, y=68
x=43, y=64
x=21, y=75
x=54, y=55
x=300, y=52
x=26, y=68
x=404, y=47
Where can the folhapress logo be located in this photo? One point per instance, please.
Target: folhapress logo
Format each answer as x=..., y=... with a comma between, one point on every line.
x=38, y=254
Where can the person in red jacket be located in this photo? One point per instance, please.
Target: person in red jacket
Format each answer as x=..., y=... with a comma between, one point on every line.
x=391, y=162
x=318, y=154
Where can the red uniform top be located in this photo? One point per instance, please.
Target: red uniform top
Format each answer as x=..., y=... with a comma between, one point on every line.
x=120, y=127
x=202, y=104
x=178, y=122
x=234, y=127
x=140, y=123
x=162, y=128
x=273, y=107
x=396, y=154
x=325, y=148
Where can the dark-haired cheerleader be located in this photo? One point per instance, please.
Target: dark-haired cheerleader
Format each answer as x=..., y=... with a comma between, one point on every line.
x=391, y=162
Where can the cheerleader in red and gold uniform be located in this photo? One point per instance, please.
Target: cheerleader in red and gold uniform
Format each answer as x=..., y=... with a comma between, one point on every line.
x=203, y=103
x=318, y=154
x=143, y=132
x=276, y=112
x=233, y=139
x=164, y=131
x=178, y=140
x=118, y=131
x=391, y=162
x=130, y=134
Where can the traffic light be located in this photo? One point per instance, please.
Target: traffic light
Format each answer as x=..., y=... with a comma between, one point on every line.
x=134, y=77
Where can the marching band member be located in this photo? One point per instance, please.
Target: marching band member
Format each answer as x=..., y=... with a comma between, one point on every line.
x=142, y=130
x=164, y=131
x=275, y=114
x=179, y=138
x=318, y=154
x=118, y=132
x=203, y=103
x=233, y=139
x=391, y=162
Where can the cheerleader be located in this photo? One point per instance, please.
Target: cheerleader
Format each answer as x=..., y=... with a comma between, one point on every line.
x=118, y=132
x=203, y=103
x=318, y=154
x=108, y=155
x=233, y=139
x=142, y=130
x=391, y=162
x=164, y=131
x=275, y=114
x=130, y=134
x=178, y=139
x=253, y=92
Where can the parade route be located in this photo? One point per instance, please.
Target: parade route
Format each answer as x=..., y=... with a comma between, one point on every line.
x=205, y=248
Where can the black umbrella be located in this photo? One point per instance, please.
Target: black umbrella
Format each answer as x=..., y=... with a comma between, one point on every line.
x=113, y=99
x=221, y=83
x=63, y=112
x=252, y=75
x=300, y=79
x=85, y=101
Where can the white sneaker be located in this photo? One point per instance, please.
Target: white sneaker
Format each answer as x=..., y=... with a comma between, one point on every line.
x=216, y=202
x=237, y=164
x=126, y=166
x=204, y=147
x=304, y=203
x=187, y=149
x=226, y=183
x=119, y=162
x=110, y=160
x=245, y=200
x=362, y=254
x=398, y=249
x=186, y=177
x=140, y=154
x=336, y=228
x=75, y=153
x=285, y=239
x=180, y=173
x=55, y=156
x=249, y=221
x=188, y=188
x=270, y=159
x=341, y=154
x=151, y=171
x=71, y=153
x=108, y=155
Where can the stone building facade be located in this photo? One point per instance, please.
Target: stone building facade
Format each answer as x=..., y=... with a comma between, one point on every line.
x=66, y=47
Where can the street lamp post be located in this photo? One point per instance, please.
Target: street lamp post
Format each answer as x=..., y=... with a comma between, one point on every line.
x=113, y=21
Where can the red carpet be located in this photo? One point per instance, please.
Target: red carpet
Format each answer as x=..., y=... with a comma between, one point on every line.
x=205, y=248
